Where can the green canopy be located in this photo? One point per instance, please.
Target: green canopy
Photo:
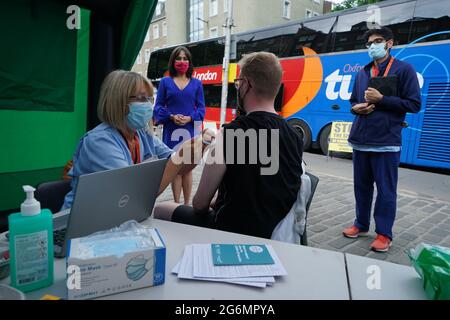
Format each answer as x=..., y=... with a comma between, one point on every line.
x=50, y=78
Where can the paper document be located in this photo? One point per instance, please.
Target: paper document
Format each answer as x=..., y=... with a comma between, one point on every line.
x=204, y=267
x=186, y=266
x=197, y=264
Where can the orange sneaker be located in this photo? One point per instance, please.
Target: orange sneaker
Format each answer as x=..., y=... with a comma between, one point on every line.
x=353, y=232
x=381, y=243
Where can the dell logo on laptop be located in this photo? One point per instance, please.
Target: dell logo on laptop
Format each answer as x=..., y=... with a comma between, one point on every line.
x=124, y=201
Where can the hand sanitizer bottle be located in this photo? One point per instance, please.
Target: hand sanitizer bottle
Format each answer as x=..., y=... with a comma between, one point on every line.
x=31, y=245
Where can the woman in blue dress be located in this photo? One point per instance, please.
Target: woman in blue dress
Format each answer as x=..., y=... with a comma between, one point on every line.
x=180, y=108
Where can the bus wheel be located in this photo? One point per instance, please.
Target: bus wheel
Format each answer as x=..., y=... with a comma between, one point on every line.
x=323, y=139
x=304, y=130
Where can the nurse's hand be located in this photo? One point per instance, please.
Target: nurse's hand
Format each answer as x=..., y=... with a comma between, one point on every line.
x=208, y=137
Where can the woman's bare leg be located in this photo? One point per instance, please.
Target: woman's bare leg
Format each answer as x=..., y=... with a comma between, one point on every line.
x=176, y=188
x=187, y=187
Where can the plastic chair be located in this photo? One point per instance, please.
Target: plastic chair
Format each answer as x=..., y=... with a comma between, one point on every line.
x=314, y=183
x=51, y=194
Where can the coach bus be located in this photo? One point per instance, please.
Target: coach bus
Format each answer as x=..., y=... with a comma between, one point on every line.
x=320, y=57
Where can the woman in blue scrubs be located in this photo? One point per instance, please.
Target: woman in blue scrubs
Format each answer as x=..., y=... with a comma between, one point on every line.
x=180, y=108
x=122, y=139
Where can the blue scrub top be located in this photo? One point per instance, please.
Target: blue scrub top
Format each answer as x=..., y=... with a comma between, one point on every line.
x=104, y=148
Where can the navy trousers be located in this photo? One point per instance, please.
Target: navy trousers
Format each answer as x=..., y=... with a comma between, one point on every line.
x=380, y=168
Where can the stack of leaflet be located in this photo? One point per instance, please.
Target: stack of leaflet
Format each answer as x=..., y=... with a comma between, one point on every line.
x=249, y=265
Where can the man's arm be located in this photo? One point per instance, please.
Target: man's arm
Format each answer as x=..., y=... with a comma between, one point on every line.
x=212, y=175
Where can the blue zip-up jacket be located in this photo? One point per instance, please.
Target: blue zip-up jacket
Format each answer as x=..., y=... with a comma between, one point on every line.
x=383, y=127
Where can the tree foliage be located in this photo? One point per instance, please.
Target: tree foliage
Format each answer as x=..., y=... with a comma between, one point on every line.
x=347, y=4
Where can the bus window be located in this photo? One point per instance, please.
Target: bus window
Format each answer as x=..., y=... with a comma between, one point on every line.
x=266, y=40
x=215, y=52
x=198, y=54
x=314, y=35
x=351, y=27
x=431, y=16
x=158, y=64
x=350, y=30
x=152, y=73
x=163, y=62
x=213, y=95
x=232, y=97
x=398, y=18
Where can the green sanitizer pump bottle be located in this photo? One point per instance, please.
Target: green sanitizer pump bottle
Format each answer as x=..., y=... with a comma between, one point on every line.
x=31, y=245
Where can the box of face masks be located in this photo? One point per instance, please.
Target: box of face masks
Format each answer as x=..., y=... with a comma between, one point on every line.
x=100, y=266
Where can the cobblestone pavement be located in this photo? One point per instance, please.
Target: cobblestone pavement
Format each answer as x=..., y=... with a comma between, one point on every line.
x=420, y=218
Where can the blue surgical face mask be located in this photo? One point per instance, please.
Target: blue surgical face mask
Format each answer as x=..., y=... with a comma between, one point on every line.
x=140, y=114
x=138, y=267
x=377, y=50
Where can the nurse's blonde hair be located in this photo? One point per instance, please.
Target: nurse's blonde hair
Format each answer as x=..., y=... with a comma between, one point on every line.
x=115, y=94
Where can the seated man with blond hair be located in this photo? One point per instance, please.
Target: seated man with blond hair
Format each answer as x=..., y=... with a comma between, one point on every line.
x=255, y=164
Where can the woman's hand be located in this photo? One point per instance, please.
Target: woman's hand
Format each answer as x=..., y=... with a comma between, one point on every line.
x=185, y=119
x=180, y=120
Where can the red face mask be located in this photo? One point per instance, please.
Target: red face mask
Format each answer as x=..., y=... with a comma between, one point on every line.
x=182, y=66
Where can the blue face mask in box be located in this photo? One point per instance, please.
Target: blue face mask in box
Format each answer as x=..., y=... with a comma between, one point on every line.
x=138, y=267
x=140, y=114
x=94, y=248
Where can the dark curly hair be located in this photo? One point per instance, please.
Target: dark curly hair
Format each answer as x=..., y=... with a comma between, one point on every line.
x=386, y=33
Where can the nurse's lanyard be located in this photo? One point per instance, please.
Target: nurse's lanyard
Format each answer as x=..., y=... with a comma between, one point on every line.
x=137, y=149
x=375, y=71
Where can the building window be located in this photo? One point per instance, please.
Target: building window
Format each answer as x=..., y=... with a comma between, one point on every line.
x=287, y=9
x=147, y=37
x=156, y=31
x=213, y=8
x=214, y=32
x=308, y=13
x=225, y=5
x=164, y=29
x=158, y=9
x=196, y=25
x=147, y=55
x=139, y=58
x=155, y=48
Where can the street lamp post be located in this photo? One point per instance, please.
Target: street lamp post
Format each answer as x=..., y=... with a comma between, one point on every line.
x=226, y=63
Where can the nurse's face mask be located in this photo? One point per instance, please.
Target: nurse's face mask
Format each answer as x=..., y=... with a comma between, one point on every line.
x=141, y=112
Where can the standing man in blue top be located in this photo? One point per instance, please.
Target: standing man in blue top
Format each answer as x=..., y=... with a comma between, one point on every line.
x=180, y=105
x=376, y=136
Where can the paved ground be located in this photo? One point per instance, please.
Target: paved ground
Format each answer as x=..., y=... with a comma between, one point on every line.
x=423, y=209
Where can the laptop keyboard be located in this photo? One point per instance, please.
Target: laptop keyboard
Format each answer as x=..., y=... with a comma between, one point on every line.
x=58, y=236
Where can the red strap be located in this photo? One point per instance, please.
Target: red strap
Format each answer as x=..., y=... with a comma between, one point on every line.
x=375, y=71
x=388, y=68
x=137, y=149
